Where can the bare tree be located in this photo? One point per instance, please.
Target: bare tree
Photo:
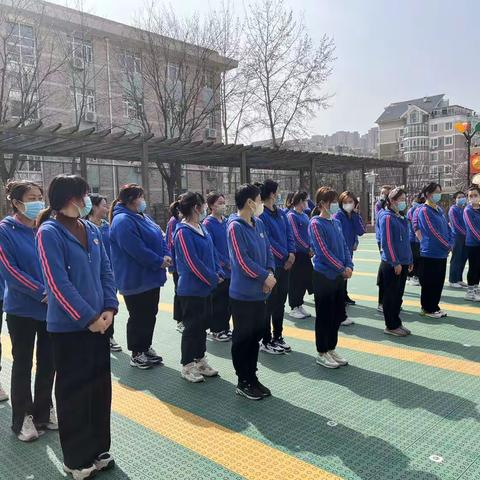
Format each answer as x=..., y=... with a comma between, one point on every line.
x=287, y=69
x=27, y=63
x=181, y=69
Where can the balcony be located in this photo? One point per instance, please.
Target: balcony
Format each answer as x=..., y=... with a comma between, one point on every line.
x=415, y=131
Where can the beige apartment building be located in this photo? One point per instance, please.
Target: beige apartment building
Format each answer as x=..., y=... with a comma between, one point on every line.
x=422, y=132
x=97, y=80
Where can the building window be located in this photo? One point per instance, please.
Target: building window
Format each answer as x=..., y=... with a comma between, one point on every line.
x=447, y=169
x=433, y=142
x=131, y=62
x=20, y=44
x=448, y=126
x=81, y=52
x=84, y=103
x=172, y=72
x=447, y=183
x=413, y=117
x=433, y=170
x=434, y=156
x=448, y=141
x=434, y=128
x=131, y=109
x=448, y=155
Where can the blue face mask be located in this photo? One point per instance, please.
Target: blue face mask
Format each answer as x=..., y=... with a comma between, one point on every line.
x=334, y=208
x=32, y=209
x=461, y=202
x=401, y=206
x=84, y=211
x=436, y=197
x=415, y=204
x=142, y=206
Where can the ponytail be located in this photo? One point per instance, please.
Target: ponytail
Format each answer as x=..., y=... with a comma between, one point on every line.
x=110, y=212
x=43, y=216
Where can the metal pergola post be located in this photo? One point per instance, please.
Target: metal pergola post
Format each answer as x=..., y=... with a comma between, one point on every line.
x=145, y=172
x=364, y=196
x=83, y=167
x=313, y=178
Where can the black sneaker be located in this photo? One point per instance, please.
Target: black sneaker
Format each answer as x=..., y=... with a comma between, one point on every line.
x=104, y=461
x=140, y=361
x=265, y=391
x=152, y=356
x=349, y=301
x=247, y=390
x=280, y=342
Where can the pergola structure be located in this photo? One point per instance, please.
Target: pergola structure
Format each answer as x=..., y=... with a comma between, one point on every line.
x=58, y=141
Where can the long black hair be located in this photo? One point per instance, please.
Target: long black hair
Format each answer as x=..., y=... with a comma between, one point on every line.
x=60, y=191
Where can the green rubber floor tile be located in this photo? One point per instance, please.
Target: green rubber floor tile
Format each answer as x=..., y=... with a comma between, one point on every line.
x=472, y=472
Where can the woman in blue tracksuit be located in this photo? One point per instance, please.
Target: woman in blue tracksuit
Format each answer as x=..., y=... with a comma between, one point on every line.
x=459, y=250
x=139, y=258
x=379, y=210
x=301, y=272
x=3, y=394
x=332, y=264
x=82, y=301
x=397, y=260
x=471, y=215
x=98, y=216
x=412, y=276
x=199, y=274
x=175, y=218
x=216, y=225
x=25, y=304
x=251, y=282
x=432, y=230
x=352, y=228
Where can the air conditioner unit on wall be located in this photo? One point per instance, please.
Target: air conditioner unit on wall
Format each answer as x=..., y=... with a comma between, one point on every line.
x=211, y=133
x=91, y=117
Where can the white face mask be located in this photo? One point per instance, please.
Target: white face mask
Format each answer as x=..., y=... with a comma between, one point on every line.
x=258, y=209
x=348, y=207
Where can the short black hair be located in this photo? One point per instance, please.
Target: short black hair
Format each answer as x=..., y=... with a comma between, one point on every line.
x=189, y=201
x=245, y=192
x=298, y=197
x=456, y=194
x=268, y=187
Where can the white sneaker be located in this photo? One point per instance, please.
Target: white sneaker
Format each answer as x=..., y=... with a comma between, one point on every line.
x=3, y=394
x=28, y=433
x=325, y=360
x=463, y=284
x=442, y=313
x=180, y=327
x=380, y=308
x=52, y=421
x=104, y=461
x=191, y=373
x=297, y=313
x=338, y=358
x=472, y=296
x=455, y=285
x=307, y=315
x=432, y=315
x=80, y=474
x=204, y=368
x=347, y=321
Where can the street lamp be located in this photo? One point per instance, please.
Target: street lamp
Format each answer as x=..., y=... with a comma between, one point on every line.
x=465, y=128
x=370, y=178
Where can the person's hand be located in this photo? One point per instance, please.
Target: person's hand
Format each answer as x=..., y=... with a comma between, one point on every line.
x=107, y=316
x=98, y=326
x=45, y=299
x=269, y=284
x=410, y=268
x=347, y=273
x=397, y=269
x=290, y=261
x=167, y=262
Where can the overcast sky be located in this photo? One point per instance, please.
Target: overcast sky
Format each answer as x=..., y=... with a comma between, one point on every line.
x=388, y=50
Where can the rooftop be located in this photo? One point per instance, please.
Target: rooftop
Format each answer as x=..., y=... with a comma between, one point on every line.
x=395, y=110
